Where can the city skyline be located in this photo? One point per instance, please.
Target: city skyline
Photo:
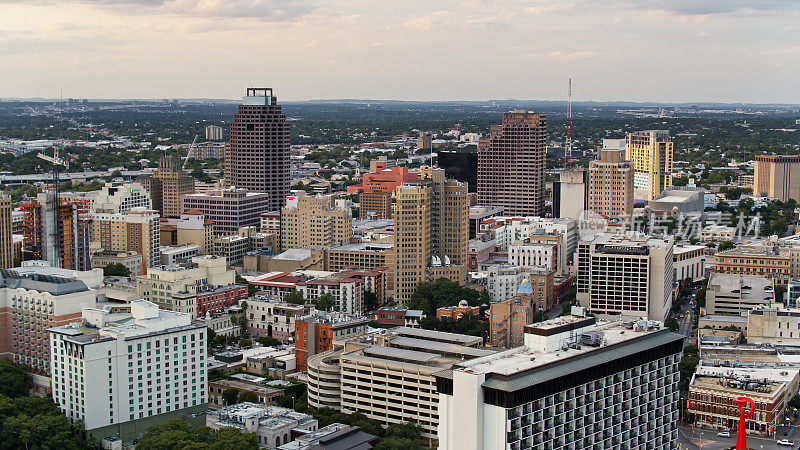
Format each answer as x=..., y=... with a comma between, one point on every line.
x=412, y=51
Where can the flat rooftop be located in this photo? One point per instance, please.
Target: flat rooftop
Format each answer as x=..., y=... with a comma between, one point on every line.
x=453, y=338
x=442, y=348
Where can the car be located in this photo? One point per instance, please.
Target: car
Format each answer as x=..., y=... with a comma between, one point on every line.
x=724, y=434
x=785, y=443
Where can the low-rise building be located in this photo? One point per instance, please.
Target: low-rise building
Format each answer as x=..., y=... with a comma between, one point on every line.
x=333, y=436
x=764, y=261
x=265, y=395
x=737, y=294
x=776, y=325
x=272, y=361
x=713, y=390
x=717, y=233
x=131, y=260
x=272, y=425
x=269, y=316
x=180, y=253
x=191, y=228
x=455, y=312
x=687, y=262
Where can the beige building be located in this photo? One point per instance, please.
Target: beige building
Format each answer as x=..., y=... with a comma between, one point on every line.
x=570, y=194
x=737, y=294
x=611, y=181
x=315, y=222
x=773, y=262
x=431, y=231
x=120, y=198
x=777, y=177
x=773, y=325
x=167, y=185
x=375, y=205
x=6, y=239
x=508, y=317
x=135, y=231
x=628, y=275
x=191, y=228
x=175, y=287
x=651, y=154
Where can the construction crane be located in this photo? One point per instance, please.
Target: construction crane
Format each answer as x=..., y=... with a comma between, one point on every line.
x=56, y=161
x=568, y=137
x=192, y=148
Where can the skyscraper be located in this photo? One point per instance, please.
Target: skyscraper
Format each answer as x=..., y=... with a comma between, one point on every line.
x=61, y=239
x=511, y=163
x=651, y=153
x=258, y=156
x=167, y=185
x=431, y=231
x=611, y=181
x=6, y=251
x=777, y=177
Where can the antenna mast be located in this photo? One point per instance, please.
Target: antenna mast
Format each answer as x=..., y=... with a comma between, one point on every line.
x=568, y=139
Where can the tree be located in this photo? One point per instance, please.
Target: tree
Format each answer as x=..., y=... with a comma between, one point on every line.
x=680, y=181
x=200, y=175
x=726, y=245
x=13, y=379
x=230, y=396
x=116, y=270
x=325, y=302
x=295, y=297
x=245, y=343
x=177, y=434
x=251, y=289
x=688, y=363
x=268, y=341
x=672, y=324
x=370, y=301
x=212, y=336
x=248, y=396
x=795, y=401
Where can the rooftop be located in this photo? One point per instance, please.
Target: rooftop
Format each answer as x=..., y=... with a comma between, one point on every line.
x=430, y=335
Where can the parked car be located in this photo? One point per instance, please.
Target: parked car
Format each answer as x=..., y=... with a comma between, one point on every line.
x=786, y=443
x=724, y=434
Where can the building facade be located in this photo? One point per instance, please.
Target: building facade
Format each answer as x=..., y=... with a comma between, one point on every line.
x=167, y=185
x=134, y=231
x=315, y=222
x=119, y=198
x=611, y=181
x=228, y=209
x=316, y=333
x=257, y=158
x=651, y=154
x=777, y=177
x=511, y=163
x=56, y=234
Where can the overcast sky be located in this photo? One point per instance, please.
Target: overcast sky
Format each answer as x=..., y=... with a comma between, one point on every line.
x=634, y=50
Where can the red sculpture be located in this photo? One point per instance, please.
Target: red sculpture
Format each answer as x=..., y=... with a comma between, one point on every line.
x=741, y=437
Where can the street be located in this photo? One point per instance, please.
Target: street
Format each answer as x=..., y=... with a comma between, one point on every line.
x=689, y=438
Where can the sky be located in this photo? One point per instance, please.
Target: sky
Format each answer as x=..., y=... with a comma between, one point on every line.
x=614, y=50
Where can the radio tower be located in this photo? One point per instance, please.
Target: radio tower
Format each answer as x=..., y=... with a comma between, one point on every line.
x=568, y=139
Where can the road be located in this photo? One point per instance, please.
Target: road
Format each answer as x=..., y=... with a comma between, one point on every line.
x=690, y=439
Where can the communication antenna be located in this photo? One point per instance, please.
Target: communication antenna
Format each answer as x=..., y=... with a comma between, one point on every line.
x=568, y=138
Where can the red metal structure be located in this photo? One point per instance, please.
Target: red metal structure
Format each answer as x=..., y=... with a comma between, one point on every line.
x=741, y=437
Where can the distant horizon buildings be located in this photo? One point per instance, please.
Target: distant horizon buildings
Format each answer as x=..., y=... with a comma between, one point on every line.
x=511, y=164
x=257, y=158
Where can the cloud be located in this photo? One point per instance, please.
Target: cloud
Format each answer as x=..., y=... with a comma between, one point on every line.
x=273, y=10
x=564, y=56
x=709, y=7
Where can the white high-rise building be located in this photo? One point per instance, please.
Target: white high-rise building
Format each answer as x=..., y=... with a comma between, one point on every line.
x=576, y=384
x=124, y=368
x=116, y=197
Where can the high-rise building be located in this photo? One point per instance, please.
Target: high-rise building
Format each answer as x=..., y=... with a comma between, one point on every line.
x=460, y=164
x=214, y=132
x=119, y=198
x=570, y=194
x=134, y=231
x=611, y=181
x=777, y=177
x=60, y=237
x=431, y=231
x=511, y=163
x=167, y=185
x=651, y=154
x=375, y=205
x=424, y=141
x=315, y=222
x=6, y=239
x=258, y=156
x=228, y=209
x=101, y=375
x=577, y=383
x=628, y=275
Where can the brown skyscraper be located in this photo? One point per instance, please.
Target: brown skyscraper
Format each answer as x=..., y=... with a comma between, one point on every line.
x=6, y=253
x=258, y=156
x=167, y=185
x=511, y=163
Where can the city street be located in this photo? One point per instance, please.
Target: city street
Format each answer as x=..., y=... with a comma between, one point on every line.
x=691, y=439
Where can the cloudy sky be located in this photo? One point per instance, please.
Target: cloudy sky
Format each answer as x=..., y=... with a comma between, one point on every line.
x=635, y=50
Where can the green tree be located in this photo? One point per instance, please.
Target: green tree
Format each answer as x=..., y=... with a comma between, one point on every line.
x=230, y=396
x=245, y=343
x=268, y=341
x=177, y=434
x=295, y=297
x=116, y=270
x=13, y=379
x=248, y=396
x=795, y=401
x=325, y=302
x=688, y=363
x=251, y=289
x=672, y=324
x=212, y=336
x=726, y=245
x=370, y=301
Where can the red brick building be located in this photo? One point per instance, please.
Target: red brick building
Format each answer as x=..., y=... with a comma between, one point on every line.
x=215, y=299
x=454, y=312
x=316, y=333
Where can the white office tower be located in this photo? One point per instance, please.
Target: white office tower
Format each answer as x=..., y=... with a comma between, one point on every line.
x=575, y=384
x=124, y=368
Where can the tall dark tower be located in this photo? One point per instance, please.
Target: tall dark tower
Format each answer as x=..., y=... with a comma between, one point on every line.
x=257, y=158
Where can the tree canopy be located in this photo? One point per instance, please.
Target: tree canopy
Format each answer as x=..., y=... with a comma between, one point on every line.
x=116, y=270
x=177, y=434
x=443, y=292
